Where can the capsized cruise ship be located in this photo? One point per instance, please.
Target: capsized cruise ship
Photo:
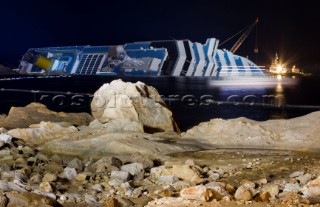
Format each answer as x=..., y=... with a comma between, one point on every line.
x=150, y=58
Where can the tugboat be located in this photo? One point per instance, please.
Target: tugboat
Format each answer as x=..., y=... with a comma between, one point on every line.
x=277, y=68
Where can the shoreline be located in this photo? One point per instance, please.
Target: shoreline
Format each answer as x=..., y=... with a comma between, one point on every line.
x=122, y=156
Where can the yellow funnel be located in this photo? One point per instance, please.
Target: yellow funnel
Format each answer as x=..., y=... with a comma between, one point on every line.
x=43, y=62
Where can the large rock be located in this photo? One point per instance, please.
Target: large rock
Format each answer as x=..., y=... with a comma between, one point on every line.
x=34, y=113
x=300, y=133
x=134, y=101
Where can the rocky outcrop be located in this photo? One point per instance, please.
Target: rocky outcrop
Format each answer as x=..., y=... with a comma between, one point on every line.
x=121, y=136
x=123, y=143
x=300, y=133
x=38, y=134
x=34, y=113
x=123, y=112
x=134, y=101
x=41, y=133
x=6, y=71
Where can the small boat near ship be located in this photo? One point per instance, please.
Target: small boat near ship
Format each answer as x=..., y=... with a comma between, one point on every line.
x=278, y=68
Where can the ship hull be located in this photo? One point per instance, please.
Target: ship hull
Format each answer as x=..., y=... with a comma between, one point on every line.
x=152, y=58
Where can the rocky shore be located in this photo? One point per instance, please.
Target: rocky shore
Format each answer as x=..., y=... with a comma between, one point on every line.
x=6, y=71
x=130, y=152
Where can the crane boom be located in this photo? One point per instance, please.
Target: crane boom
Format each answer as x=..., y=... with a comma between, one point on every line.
x=243, y=37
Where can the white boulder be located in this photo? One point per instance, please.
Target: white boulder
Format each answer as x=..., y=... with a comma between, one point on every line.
x=134, y=101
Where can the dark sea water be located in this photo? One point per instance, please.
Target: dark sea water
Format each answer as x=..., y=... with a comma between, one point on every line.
x=192, y=100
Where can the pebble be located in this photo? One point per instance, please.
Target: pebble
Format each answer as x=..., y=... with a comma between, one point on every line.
x=217, y=187
x=180, y=185
x=230, y=188
x=289, y=187
x=248, y=184
x=48, y=194
x=243, y=194
x=190, y=162
x=28, y=150
x=261, y=182
x=168, y=179
x=296, y=174
x=76, y=164
x=6, y=138
x=4, y=167
x=57, y=159
x=49, y=177
x=90, y=199
x=263, y=197
x=37, y=178
x=97, y=187
x=156, y=171
x=41, y=157
x=5, y=152
x=70, y=173
x=2, y=130
x=45, y=187
x=187, y=173
x=304, y=179
x=213, y=175
x=115, y=182
x=3, y=201
x=272, y=189
x=219, y=171
x=121, y=175
x=142, y=159
x=137, y=192
x=81, y=177
x=135, y=169
x=199, y=192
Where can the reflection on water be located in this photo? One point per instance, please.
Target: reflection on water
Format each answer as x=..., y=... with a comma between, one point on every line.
x=279, y=88
x=279, y=93
x=257, y=98
x=266, y=92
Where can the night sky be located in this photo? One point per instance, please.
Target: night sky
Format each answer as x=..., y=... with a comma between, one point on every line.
x=290, y=28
